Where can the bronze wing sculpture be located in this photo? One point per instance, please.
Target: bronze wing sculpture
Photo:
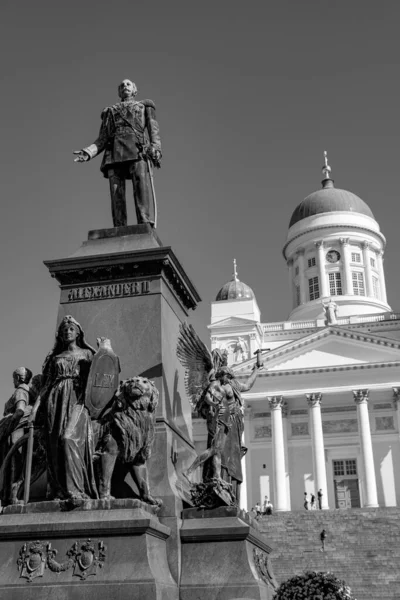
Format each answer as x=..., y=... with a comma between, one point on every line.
x=198, y=362
x=207, y=396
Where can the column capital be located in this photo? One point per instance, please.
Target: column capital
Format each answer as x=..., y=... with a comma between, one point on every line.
x=300, y=252
x=360, y=396
x=396, y=398
x=319, y=244
x=344, y=241
x=365, y=244
x=314, y=399
x=275, y=402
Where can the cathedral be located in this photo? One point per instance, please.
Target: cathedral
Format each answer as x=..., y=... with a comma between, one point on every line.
x=323, y=414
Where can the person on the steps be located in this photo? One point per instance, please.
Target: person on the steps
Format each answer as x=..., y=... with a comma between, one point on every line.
x=312, y=502
x=320, y=494
x=267, y=506
x=305, y=501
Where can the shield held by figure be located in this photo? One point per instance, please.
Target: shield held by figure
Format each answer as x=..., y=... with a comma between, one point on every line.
x=103, y=378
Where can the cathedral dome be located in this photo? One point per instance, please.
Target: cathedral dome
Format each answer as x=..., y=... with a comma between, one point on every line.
x=235, y=289
x=334, y=249
x=328, y=200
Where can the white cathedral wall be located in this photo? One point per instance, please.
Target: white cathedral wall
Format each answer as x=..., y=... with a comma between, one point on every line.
x=258, y=457
x=300, y=473
x=244, y=309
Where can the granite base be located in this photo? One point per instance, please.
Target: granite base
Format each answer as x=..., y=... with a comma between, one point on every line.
x=85, y=555
x=224, y=557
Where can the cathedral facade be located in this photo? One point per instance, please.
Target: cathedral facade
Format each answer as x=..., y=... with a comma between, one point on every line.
x=324, y=412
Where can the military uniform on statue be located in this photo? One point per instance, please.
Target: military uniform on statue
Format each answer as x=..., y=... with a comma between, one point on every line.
x=129, y=137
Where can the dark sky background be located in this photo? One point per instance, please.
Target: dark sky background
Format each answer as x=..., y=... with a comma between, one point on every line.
x=248, y=96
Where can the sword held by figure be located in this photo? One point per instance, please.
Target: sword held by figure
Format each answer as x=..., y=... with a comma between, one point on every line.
x=149, y=161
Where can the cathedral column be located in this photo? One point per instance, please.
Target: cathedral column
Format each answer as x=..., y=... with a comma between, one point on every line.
x=379, y=258
x=245, y=492
x=285, y=445
x=302, y=281
x=367, y=266
x=253, y=343
x=317, y=440
x=348, y=282
x=323, y=281
x=396, y=401
x=278, y=453
x=291, y=282
x=367, y=457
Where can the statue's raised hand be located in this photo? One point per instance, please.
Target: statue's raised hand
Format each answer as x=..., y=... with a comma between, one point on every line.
x=81, y=156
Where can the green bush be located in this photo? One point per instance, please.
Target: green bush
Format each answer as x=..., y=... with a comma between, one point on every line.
x=314, y=586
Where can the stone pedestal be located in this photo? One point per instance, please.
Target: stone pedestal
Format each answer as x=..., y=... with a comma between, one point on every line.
x=224, y=557
x=85, y=554
x=124, y=285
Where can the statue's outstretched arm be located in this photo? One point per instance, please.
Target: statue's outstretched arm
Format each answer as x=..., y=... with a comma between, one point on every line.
x=98, y=145
x=245, y=387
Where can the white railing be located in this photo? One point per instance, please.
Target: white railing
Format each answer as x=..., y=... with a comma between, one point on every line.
x=273, y=327
x=285, y=325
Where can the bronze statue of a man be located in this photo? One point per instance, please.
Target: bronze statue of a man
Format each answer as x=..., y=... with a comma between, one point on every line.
x=129, y=137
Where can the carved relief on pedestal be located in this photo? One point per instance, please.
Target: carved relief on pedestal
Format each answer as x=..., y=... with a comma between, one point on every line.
x=263, y=566
x=83, y=557
x=32, y=560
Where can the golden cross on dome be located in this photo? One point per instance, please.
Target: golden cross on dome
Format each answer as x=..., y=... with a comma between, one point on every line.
x=326, y=170
x=235, y=275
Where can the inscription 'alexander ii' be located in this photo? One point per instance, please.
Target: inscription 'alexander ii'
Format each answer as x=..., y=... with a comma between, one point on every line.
x=113, y=290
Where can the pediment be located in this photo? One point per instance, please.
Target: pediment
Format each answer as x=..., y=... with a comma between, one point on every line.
x=233, y=322
x=330, y=347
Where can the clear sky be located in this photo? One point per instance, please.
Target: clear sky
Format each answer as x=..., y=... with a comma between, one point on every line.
x=248, y=96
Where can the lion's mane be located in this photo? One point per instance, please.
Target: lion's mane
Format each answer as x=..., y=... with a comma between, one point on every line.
x=132, y=423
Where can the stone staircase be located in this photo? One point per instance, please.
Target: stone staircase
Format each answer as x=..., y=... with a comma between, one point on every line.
x=362, y=547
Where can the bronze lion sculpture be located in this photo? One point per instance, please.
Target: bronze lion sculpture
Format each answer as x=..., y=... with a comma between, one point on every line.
x=128, y=432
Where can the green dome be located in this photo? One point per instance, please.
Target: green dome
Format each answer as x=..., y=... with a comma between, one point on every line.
x=329, y=199
x=235, y=290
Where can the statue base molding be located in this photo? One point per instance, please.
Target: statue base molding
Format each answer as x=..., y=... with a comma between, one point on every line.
x=56, y=506
x=85, y=555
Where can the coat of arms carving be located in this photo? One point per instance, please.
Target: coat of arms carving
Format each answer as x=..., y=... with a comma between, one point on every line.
x=32, y=560
x=83, y=557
